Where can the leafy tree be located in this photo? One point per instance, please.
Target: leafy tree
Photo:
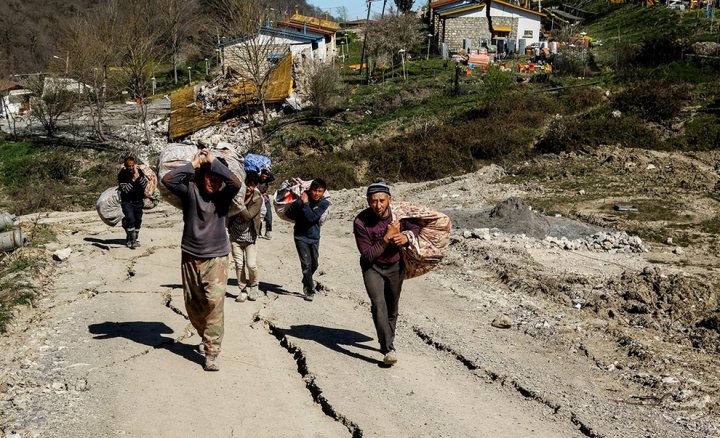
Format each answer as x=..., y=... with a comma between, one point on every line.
x=404, y=5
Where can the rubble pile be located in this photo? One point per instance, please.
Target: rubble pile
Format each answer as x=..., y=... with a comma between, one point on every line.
x=706, y=48
x=216, y=94
x=612, y=242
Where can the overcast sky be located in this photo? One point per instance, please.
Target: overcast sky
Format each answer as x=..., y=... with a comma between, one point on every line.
x=355, y=8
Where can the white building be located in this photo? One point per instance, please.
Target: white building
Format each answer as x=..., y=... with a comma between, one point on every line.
x=458, y=20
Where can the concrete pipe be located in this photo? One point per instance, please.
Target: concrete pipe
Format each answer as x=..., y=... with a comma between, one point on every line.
x=11, y=240
x=7, y=220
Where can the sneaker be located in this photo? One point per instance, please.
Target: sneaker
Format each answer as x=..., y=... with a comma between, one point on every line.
x=268, y=235
x=309, y=296
x=211, y=363
x=252, y=294
x=242, y=297
x=390, y=358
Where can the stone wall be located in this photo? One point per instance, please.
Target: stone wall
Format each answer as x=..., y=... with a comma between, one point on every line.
x=474, y=29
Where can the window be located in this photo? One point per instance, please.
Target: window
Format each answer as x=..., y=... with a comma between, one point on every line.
x=528, y=34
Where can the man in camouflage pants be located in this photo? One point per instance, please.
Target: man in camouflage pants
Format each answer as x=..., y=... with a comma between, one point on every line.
x=206, y=187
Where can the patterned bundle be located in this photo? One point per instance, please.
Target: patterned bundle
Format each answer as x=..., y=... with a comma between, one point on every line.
x=288, y=192
x=428, y=249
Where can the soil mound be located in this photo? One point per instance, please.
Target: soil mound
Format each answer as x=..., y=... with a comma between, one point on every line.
x=514, y=216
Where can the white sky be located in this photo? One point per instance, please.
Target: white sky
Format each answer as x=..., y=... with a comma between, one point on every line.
x=355, y=8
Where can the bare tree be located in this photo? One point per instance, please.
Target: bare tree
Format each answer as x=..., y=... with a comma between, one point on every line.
x=250, y=56
x=137, y=42
x=323, y=85
x=392, y=33
x=51, y=100
x=89, y=41
x=177, y=18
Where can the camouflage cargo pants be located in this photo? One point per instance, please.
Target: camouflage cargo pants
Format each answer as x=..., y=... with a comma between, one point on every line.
x=204, y=283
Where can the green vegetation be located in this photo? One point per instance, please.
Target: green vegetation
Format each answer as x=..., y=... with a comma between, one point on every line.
x=19, y=273
x=37, y=177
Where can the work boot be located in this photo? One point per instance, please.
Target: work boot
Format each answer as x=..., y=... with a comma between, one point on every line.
x=390, y=358
x=129, y=238
x=136, y=242
x=211, y=363
x=242, y=297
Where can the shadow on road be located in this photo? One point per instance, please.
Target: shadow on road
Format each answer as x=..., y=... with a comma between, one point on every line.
x=104, y=243
x=278, y=289
x=335, y=339
x=146, y=333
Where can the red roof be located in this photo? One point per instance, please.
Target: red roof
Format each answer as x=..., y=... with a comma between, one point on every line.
x=9, y=85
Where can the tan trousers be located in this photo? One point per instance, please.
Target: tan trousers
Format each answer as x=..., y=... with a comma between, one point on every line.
x=245, y=259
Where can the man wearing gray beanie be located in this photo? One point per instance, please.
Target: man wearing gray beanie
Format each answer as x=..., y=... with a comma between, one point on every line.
x=379, y=238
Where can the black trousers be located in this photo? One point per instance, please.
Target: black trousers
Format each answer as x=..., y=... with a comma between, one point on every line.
x=383, y=285
x=309, y=254
x=133, y=212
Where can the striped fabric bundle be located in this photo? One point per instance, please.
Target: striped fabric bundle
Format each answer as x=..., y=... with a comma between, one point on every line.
x=428, y=249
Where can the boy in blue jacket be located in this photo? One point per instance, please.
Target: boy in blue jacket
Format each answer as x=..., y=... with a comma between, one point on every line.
x=306, y=211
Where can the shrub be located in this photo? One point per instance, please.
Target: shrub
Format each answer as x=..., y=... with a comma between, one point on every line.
x=336, y=168
x=497, y=81
x=583, y=134
x=655, y=101
x=573, y=100
x=323, y=86
x=573, y=62
x=702, y=133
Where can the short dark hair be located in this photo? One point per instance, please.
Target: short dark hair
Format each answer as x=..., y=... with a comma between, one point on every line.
x=318, y=183
x=128, y=158
x=252, y=178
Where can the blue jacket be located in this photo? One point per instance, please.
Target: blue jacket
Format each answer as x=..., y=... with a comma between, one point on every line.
x=307, y=219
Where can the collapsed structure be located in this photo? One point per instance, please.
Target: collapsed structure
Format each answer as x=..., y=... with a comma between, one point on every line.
x=281, y=49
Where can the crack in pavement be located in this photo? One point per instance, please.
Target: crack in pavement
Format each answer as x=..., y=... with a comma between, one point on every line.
x=503, y=380
x=167, y=302
x=309, y=379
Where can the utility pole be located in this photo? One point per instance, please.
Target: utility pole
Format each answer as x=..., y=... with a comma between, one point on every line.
x=189, y=75
x=367, y=21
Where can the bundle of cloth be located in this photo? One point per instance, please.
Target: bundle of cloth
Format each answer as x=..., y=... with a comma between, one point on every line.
x=108, y=204
x=426, y=250
x=290, y=190
x=178, y=154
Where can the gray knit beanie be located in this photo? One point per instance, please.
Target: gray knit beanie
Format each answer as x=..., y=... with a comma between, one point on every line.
x=378, y=187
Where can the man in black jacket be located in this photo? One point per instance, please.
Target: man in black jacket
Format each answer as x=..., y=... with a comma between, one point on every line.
x=132, y=183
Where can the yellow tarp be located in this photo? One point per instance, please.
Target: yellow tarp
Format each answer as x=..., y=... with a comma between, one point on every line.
x=186, y=115
x=320, y=22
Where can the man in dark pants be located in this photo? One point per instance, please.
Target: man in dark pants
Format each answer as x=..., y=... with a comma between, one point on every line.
x=206, y=187
x=306, y=211
x=379, y=239
x=266, y=178
x=132, y=183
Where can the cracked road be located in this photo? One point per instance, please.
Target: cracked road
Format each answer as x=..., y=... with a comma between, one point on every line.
x=115, y=320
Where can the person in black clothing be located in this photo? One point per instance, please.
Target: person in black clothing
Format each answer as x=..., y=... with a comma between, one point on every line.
x=306, y=211
x=266, y=178
x=132, y=183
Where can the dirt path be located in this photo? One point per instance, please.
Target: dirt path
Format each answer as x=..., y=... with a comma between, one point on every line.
x=109, y=351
